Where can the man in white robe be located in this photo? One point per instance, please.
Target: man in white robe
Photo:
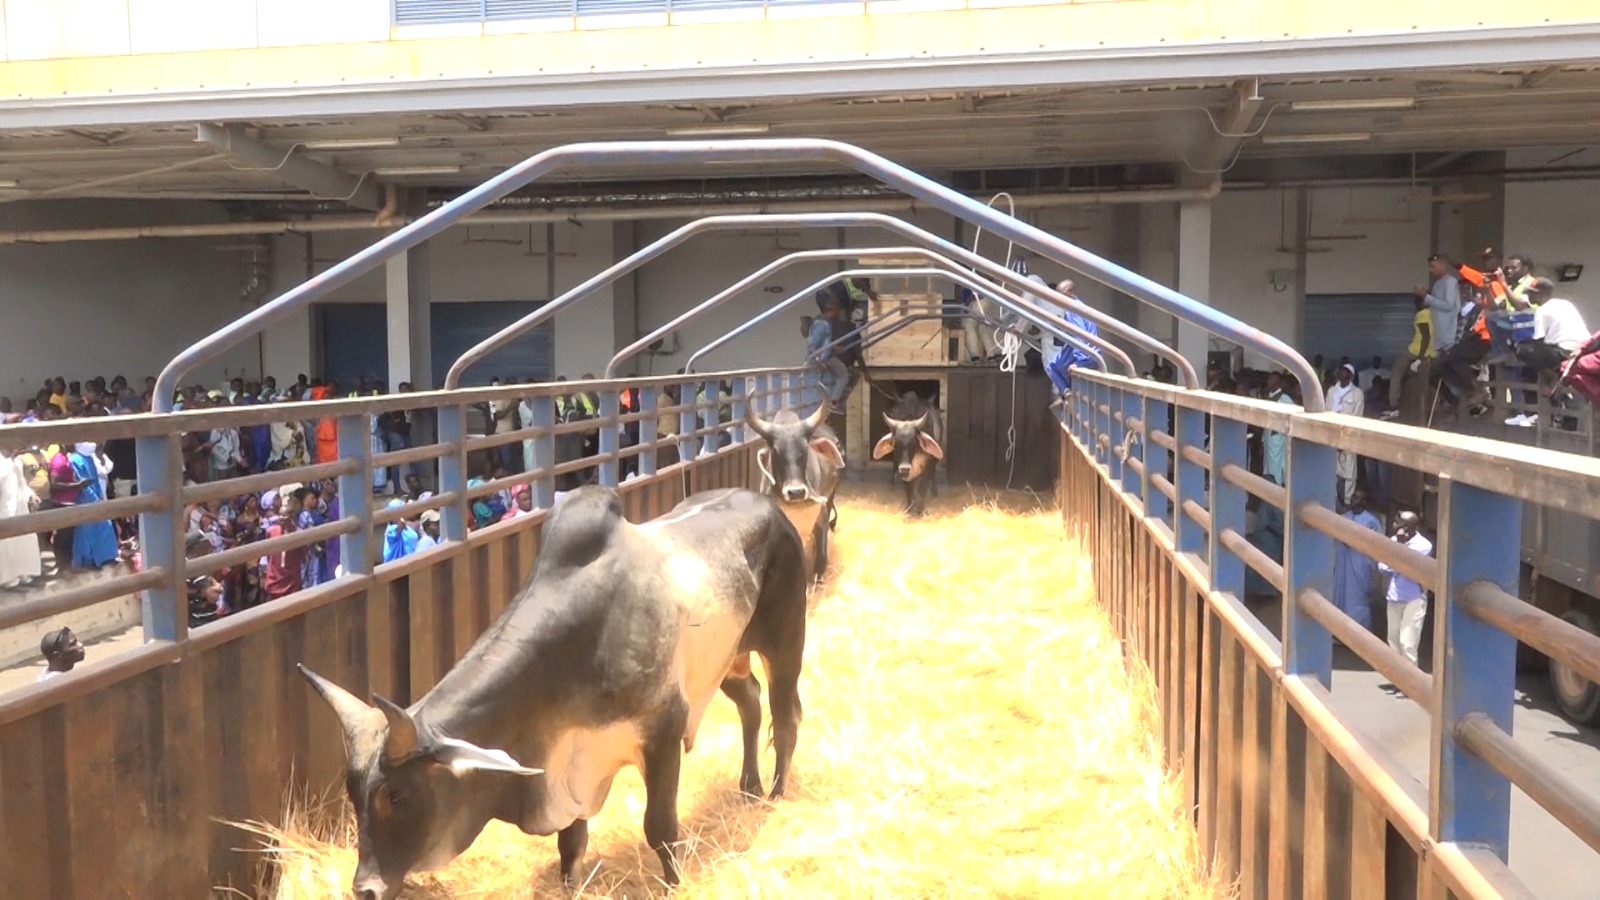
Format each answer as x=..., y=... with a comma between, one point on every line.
x=1344, y=396
x=19, y=556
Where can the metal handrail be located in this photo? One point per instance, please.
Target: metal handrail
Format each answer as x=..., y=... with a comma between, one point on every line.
x=1469, y=696
x=958, y=275
x=905, y=321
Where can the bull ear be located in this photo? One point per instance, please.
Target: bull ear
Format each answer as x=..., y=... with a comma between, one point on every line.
x=816, y=418
x=929, y=445
x=463, y=757
x=401, y=741
x=354, y=716
x=829, y=450
x=884, y=447
x=757, y=424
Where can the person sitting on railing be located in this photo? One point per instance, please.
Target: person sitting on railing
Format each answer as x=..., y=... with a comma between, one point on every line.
x=94, y=544
x=1557, y=333
x=1345, y=397
x=831, y=374
x=1353, y=570
x=61, y=650
x=1405, y=599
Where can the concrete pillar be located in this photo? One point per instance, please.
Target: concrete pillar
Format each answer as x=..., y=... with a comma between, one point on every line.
x=1194, y=275
x=407, y=294
x=625, y=295
x=1125, y=252
x=1158, y=261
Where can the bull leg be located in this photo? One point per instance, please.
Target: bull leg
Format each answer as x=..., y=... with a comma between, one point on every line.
x=821, y=569
x=745, y=693
x=571, y=842
x=783, y=693
x=911, y=497
x=663, y=758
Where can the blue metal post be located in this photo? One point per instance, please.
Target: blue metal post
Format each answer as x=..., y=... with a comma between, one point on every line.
x=762, y=401
x=688, y=421
x=1474, y=665
x=1154, y=414
x=1227, y=504
x=708, y=441
x=1132, y=408
x=796, y=396
x=610, y=407
x=544, y=451
x=739, y=401
x=648, y=429
x=1117, y=429
x=161, y=537
x=1189, y=536
x=356, y=551
x=1308, y=558
x=1103, y=422
x=453, y=517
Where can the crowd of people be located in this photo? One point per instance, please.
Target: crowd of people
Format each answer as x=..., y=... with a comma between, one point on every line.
x=58, y=476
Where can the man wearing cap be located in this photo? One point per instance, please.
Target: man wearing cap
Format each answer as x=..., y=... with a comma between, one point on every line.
x=430, y=531
x=62, y=650
x=1344, y=396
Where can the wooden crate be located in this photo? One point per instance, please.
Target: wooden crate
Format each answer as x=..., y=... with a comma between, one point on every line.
x=921, y=343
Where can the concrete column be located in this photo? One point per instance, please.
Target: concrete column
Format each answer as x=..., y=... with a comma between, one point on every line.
x=1125, y=252
x=1158, y=261
x=1194, y=275
x=625, y=295
x=407, y=294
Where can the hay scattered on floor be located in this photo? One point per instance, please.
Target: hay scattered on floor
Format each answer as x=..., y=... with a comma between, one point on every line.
x=969, y=729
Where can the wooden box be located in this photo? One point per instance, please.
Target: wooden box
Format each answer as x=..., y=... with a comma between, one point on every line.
x=920, y=343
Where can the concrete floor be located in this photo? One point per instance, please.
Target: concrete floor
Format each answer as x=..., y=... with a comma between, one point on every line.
x=1549, y=859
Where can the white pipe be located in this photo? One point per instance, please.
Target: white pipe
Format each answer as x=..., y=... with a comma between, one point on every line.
x=509, y=217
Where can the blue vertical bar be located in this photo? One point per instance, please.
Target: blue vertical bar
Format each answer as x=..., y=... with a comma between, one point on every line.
x=1308, y=558
x=1189, y=536
x=610, y=406
x=688, y=421
x=357, y=552
x=1227, y=504
x=762, y=400
x=648, y=429
x=161, y=537
x=544, y=451
x=453, y=517
x=1118, y=430
x=796, y=395
x=739, y=402
x=1102, y=423
x=1154, y=414
x=1474, y=664
x=708, y=441
x=1132, y=408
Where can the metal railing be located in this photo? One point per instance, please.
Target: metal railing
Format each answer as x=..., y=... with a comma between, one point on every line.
x=163, y=498
x=1461, y=831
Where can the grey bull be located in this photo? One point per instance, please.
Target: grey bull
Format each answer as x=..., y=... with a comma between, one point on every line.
x=608, y=657
x=803, y=461
x=915, y=431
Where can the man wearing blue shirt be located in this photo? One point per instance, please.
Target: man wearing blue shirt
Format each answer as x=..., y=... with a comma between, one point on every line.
x=1069, y=355
x=831, y=371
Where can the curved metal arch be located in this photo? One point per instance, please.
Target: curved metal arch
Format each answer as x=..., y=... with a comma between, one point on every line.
x=907, y=319
x=940, y=266
x=1057, y=326
x=983, y=265
x=581, y=155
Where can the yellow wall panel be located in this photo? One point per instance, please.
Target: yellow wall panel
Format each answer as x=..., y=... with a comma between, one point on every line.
x=61, y=29
x=374, y=53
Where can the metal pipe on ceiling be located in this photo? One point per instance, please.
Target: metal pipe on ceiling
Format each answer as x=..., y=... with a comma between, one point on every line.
x=901, y=203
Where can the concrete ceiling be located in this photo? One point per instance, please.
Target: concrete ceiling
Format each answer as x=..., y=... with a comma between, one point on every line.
x=1196, y=129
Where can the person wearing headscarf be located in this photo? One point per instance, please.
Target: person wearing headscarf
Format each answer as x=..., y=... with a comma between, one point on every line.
x=1353, y=570
x=1344, y=396
x=521, y=502
x=94, y=544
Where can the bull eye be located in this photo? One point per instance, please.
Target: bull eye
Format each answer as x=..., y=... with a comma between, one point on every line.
x=396, y=798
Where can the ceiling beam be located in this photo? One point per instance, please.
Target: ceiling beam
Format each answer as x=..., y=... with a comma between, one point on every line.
x=320, y=180
x=1221, y=146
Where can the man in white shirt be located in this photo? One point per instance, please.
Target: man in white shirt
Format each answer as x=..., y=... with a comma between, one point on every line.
x=1372, y=374
x=1558, y=329
x=1407, y=599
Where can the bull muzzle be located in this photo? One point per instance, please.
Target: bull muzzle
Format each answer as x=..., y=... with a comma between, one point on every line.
x=905, y=471
x=373, y=888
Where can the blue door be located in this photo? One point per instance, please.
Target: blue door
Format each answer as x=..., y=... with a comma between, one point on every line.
x=354, y=342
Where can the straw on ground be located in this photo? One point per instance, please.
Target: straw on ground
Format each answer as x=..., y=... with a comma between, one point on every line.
x=970, y=729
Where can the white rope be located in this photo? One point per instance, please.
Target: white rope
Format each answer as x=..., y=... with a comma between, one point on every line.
x=1011, y=203
x=1010, y=344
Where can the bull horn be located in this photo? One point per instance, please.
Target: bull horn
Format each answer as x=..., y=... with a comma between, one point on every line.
x=816, y=418
x=888, y=421
x=922, y=420
x=354, y=716
x=757, y=424
x=401, y=741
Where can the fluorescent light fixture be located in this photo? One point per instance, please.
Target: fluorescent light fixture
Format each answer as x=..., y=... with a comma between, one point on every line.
x=8, y=183
x=1343, y=137
x=417, y=170
x=717, y=130
x=1353, y=104
x=351, y=143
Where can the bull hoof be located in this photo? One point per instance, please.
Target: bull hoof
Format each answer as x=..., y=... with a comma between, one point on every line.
x=750, y=786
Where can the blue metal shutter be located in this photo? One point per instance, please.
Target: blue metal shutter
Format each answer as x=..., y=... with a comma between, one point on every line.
x=354, y=344
x=529, y=9
x=1359, y=326
x=693, y=5
x=435, y=12
x=620, y=7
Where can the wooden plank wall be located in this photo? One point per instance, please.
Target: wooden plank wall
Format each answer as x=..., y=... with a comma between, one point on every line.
x=113, y=793
x=978, y=408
